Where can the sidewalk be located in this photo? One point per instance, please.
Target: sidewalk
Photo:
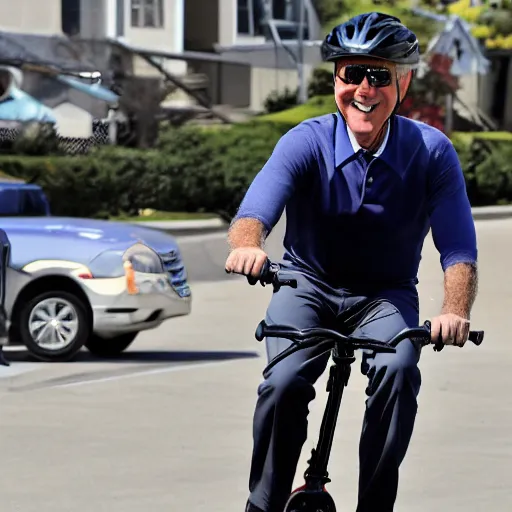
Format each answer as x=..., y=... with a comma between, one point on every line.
x=207, y=226
x=187, y=227
x=492, y=212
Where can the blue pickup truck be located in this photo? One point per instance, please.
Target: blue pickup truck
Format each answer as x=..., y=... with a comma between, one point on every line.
x=74, y=282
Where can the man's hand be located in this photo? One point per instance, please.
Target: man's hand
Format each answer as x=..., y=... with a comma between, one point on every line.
x=454, y=330
x=247, y=261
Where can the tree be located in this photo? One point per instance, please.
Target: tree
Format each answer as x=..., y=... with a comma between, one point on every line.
x=329, y=10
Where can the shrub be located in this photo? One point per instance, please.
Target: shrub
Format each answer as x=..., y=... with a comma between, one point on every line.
x=215, y=167
x=329, y=10
x=279, y=101
x=321, y=82
x=487, y=165
x=104, y=183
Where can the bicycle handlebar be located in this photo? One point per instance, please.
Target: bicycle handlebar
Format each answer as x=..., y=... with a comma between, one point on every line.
x=303, y=338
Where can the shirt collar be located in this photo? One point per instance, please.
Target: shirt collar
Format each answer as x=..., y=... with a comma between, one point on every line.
x=357, y=147
x=346, y=147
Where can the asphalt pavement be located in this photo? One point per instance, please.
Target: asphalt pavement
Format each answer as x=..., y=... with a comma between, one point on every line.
x=167, y=427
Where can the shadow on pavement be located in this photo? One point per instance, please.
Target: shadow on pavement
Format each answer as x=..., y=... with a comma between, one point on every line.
x=141, y=356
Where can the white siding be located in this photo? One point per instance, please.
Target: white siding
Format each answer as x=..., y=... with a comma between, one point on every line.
x=31, y=16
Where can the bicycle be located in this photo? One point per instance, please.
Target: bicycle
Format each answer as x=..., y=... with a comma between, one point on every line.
x=313, y=495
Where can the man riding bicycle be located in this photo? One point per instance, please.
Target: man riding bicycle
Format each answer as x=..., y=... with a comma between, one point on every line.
x=361, y=188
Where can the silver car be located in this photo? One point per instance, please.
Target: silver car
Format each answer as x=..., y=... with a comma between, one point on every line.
x=81, y=282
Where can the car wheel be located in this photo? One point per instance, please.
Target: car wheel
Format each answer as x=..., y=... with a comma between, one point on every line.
x=54, y=325
x=109, y=347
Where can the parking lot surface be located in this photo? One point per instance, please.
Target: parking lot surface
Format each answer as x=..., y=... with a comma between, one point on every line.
x=167, y=427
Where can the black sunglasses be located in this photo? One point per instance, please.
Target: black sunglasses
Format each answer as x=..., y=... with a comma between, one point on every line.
x=355, y=73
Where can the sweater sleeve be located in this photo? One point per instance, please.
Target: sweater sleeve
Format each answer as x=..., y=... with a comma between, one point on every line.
x=274, y=184
x=451, y=220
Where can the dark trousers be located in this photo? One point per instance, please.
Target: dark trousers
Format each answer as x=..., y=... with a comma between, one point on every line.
x=280, y=418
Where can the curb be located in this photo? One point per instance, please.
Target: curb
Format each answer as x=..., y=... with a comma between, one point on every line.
x=208, y=226
x=491, y=212
x=187, y=227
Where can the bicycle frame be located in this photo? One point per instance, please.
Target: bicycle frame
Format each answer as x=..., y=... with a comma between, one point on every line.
x=316, y=475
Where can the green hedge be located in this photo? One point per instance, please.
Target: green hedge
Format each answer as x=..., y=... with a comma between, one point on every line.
x=209, y=170
x=487, y=163
x=101, y=184
x=191, y=170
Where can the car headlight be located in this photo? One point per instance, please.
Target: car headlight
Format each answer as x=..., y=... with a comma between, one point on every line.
x=143, y=259
x=111, y=263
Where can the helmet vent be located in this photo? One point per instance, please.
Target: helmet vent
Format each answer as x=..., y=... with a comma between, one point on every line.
x=372, y=33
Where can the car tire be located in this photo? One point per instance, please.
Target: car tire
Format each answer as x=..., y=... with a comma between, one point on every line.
x=109, y=347
x=69, y=335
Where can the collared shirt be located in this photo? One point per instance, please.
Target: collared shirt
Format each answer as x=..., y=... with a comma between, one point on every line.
x=355, y=222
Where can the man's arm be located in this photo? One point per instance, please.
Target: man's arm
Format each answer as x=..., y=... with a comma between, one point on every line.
x=454, y=235
x=246, y=238
x=265, y=201
x=246, y=232
x=460, y=289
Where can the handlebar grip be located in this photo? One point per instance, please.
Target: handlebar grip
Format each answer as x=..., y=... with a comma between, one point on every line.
x=477, y=337
x=261, y=331
x=264, y=331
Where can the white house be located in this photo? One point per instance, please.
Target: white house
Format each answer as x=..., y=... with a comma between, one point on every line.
x=254, y=32
x=237, y=44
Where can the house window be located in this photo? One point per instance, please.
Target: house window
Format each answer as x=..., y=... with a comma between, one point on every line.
x=285, y=9
x=70, y=17
x=244, y=17
x=250, y=15
x=148, y=13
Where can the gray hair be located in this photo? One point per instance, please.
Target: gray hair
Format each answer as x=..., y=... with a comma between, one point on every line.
x=403, y=69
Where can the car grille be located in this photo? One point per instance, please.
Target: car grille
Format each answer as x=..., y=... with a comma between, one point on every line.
x=176, y=272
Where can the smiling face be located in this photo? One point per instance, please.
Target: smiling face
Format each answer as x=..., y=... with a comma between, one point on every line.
x=365, y=107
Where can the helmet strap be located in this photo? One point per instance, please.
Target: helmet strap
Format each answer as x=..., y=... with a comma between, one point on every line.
x=397, y=105
x=334, y=87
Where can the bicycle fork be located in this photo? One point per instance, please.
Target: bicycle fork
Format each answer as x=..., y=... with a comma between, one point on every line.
x=316, y=475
